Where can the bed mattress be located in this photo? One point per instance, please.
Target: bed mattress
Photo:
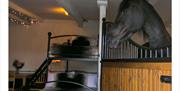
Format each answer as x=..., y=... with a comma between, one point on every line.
x=73, y=51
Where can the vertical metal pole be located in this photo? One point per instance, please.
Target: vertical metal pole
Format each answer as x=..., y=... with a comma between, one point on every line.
x=102, y=6
x=127, y=48
x=122, y=54
x=150, y=52
x=145, y=53
x=162, y=53
x=141, y=53
x=132, y=50
x=67, y=66
x=167, y=52
x=136, y=52
x=156, y=53
x=124, y=50
x=48, y=47
x=48, y=52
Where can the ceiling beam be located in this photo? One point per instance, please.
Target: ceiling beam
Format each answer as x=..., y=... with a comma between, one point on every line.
x=72, y=11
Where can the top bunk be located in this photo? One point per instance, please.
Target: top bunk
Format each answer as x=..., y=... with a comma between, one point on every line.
x=72, y=47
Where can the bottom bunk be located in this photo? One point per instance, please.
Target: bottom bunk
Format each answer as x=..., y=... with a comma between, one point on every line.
x=71, y=81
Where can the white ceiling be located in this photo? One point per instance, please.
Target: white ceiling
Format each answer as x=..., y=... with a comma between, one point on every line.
x=88, y=9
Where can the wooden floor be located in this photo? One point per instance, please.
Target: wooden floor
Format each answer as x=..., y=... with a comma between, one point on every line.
x=118, y=76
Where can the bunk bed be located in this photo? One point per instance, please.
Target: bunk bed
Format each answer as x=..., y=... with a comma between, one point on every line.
x=80, y=48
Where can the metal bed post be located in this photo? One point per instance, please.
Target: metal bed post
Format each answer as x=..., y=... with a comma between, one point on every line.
x=43, y=68
x=102, y=8
x=49, y=41
x=48, y=53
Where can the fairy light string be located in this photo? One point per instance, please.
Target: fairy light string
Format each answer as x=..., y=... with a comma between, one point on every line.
x=22, y=19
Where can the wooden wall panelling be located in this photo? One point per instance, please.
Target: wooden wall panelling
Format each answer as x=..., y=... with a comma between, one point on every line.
x=135, y=76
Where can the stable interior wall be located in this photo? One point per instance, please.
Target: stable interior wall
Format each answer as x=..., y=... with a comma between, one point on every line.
x=135, y=76
x=28, y=44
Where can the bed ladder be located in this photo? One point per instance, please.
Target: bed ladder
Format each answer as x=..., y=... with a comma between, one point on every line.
x=43, y=67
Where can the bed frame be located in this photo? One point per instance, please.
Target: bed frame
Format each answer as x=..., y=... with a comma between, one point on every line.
x=77, y=56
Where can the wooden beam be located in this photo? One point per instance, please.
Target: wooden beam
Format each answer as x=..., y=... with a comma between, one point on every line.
x=72, y=11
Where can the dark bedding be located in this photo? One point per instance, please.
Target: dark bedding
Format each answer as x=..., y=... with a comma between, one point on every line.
x=73, y=51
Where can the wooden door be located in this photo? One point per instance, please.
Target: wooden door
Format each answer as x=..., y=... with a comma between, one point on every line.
x=135, y=76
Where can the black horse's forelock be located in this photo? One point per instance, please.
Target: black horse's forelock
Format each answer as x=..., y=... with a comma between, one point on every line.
x=123, y=5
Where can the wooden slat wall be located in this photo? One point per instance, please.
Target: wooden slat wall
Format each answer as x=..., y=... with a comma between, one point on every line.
x=134, y=76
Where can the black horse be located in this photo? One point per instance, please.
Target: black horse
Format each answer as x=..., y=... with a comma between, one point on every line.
x=138, y=15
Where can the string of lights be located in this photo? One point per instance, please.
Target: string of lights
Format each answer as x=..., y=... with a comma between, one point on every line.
x=22, y=18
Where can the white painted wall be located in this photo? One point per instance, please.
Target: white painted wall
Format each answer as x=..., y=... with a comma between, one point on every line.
x=29, y=44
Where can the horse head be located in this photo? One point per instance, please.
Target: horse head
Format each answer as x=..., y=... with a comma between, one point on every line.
x=133, y=16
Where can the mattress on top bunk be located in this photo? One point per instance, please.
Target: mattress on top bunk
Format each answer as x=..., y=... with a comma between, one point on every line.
x=58, y=50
